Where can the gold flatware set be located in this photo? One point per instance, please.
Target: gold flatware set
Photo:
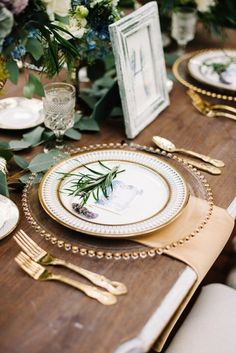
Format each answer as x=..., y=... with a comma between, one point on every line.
x=35, y=258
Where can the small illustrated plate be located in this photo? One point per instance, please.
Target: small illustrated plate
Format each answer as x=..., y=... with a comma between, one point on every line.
x=146, y=196
x=215, y=67
x=19, y=113
x=9, y=216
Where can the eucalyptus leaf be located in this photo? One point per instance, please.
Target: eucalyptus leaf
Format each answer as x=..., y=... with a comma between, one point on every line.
x=4, y=145
x=34, y=136
x=44, y=161
x=17, y=145
x=34, y=47
x=89, y=100
x=6, y=22
x=73, y=134
x=170, y=58
x=25, y=178
x=3, y=185
x=33, y=86
x=77, y=117
x=13, y=71
x=21, y=162
x=47, y=135
x=105, y=81
x=88, y=124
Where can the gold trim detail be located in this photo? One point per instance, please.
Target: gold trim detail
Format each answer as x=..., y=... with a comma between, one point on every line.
x=124, y=254
x=183, y=81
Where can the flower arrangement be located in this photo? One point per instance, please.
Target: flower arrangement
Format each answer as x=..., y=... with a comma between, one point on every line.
x=52, y=34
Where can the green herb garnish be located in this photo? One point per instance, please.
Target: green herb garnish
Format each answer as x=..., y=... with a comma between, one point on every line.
x=95, y=183
x=220, y=68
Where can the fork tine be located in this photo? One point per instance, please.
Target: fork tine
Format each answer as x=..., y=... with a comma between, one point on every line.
x=24, y=259
x=31, y=242
x=23, y=242
x=28, y=265
x=23, y=265
x=22, y=245
x=29, y=262
x=26, y=237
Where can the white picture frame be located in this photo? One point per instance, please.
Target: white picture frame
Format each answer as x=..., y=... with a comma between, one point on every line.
x=140, y=65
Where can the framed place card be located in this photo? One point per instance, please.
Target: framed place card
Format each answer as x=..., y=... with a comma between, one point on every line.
x=137, y=46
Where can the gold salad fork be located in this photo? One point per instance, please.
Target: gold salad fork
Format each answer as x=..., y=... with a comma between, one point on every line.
x=44, y=258
x=40, y=273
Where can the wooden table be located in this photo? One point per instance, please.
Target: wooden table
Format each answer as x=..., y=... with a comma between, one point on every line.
x=48, y=317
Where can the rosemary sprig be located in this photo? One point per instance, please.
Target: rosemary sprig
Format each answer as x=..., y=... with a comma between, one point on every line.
x=94, y=183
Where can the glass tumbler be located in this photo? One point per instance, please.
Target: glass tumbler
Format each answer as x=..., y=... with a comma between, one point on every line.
x=59, y=109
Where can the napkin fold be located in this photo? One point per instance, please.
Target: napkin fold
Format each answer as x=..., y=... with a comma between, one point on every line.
x=199, y=253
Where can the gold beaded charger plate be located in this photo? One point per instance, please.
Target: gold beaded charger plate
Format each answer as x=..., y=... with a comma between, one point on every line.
x=147, y=194
x=115, y=248
x=216, y=67
x=18, y=113
x=182, y=74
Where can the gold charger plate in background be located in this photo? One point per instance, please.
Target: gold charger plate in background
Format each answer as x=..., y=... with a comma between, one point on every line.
x=83, y=244
x=180, y=71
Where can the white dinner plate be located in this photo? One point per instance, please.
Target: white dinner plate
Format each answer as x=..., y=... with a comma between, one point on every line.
x=148, y=195
x=200, y=67
x=18, y=113
x=9, y=216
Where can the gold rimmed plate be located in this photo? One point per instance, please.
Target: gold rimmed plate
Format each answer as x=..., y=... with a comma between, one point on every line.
x=149, y=194
x=215, y=67
x=182, y=74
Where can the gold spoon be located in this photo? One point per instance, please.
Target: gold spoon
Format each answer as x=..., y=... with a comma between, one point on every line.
x=168, y=146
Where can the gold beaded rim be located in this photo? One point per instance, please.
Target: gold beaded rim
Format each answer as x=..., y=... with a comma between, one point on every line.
x=193, y=87
x=125, y=255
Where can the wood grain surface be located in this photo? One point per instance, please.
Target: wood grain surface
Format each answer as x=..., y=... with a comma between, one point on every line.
x=40, y=317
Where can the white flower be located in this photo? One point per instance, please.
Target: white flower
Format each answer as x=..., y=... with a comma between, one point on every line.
x=75, y=29
x=115, y=3
x=57, y=7
x=204, y=5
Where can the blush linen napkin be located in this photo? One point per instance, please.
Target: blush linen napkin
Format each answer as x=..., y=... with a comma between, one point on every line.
x=199, y=253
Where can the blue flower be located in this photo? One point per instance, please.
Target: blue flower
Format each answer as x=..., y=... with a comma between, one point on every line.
x=33, y=33
x=103, y=34
x=90, y=40
x=18, y=52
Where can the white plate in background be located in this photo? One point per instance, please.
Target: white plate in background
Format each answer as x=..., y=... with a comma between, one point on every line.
x=17, y=113
x=199, y=69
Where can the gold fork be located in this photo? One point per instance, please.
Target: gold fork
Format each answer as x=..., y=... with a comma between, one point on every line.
x=209, y=110
x=38, y=272
x=44, y=258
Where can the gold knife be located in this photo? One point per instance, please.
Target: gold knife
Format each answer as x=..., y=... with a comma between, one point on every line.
x=203, y=166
